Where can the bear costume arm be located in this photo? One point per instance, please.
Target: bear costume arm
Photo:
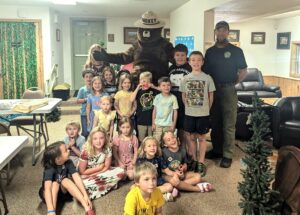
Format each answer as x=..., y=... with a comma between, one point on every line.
x=118, y=58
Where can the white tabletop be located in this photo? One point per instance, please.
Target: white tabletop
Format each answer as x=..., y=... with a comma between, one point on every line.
x=9, y=147
x=52, y=103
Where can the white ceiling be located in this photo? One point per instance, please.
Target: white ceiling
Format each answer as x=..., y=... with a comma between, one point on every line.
x=243, y=10
x=233, y=11
x=106, y=8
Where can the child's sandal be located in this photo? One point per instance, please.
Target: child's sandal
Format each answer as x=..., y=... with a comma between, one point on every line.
x=89, y=212
x=204, y=187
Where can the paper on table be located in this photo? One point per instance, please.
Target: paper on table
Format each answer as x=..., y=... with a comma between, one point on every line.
x=26, y=106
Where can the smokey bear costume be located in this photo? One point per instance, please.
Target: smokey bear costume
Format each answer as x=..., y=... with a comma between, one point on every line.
x=151, y=52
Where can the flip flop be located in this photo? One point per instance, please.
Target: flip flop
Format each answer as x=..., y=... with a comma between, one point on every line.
x=204, y=187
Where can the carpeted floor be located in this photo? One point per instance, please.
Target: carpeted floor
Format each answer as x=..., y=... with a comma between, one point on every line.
x=22, y=192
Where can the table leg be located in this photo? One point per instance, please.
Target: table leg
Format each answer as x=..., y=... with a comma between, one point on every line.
x=34, y=140
x=3, y=199
x=43, y=131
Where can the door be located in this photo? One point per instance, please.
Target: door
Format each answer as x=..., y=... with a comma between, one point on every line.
x=85, y=34
x=20, y=61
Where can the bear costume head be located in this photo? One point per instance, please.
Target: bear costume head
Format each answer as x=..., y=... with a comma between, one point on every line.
x=149, y=27
x=151, y=52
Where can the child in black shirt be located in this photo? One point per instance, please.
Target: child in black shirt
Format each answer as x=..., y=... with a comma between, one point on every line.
x=56, y=182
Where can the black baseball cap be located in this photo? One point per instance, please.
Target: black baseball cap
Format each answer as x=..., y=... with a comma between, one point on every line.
x=222, y=24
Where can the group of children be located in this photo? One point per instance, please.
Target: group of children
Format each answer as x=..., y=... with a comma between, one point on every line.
x=154, y=159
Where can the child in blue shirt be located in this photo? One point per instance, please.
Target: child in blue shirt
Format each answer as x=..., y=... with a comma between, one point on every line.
x=82, y=95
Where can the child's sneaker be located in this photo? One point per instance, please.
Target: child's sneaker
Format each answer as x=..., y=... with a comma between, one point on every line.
x=168, y=197
x=201, y=168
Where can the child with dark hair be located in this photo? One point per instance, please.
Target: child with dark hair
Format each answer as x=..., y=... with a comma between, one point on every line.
x=177, y=72
x=56, y=183
x=82, y=95
x=109, y=80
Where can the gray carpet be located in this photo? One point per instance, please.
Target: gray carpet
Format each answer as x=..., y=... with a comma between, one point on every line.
x=22, y=193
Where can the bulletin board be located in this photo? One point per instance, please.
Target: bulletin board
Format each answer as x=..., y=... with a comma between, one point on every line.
x=186, y=40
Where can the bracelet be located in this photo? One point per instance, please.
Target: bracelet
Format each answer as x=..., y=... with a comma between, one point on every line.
x=51, y=211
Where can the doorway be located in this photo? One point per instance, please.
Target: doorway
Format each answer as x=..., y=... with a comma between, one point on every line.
x=85, y=34
x=20, y=57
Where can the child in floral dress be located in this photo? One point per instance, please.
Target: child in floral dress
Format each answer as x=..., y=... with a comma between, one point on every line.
x=95, y=165
x=125, y=147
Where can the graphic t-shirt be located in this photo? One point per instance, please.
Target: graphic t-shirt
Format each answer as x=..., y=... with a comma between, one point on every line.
x=176, y=74
x=135, y=204
x=174, y=159
x=157, y=161
x=197, y=87
x=58, y=173
x=144, y=109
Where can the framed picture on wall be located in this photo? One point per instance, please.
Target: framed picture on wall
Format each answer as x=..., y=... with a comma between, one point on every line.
x=234, y=36
x=283, y=40
x=258, y=37
x=130, y=35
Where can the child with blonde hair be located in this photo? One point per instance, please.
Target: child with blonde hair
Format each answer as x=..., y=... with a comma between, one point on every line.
x=176, y=159
x=150, y=151
x=93, y=100
x=144, y=95
x=57, y=186
x=74, y=141
x=105, y=116
x=123, y=105
x=91, y=63
x=125, y=146
x=95, y=165
x=144, y=197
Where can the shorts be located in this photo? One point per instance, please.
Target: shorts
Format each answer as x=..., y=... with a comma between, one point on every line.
x=199, y=125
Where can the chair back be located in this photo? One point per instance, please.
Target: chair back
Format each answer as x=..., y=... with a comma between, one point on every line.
x=287, y=178
x=33, y=93
x=4, y=129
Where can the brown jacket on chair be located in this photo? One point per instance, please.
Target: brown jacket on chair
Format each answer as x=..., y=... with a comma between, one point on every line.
x=287, y=178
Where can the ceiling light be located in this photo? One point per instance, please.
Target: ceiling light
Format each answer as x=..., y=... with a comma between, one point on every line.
x=64, y=2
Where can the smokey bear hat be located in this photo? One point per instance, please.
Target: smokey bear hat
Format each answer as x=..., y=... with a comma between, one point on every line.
x=149, y=20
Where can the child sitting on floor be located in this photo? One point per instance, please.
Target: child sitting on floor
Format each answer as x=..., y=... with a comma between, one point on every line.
x=175, y=157
x=125, y=147
x=150, y=151
x=56, y=184
x=74, y=141
x=95, y=165
x=145, y=197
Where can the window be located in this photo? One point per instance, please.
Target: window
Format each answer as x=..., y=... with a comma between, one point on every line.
x=295, y=60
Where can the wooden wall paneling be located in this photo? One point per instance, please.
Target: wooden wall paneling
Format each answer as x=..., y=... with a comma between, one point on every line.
x=288, y=86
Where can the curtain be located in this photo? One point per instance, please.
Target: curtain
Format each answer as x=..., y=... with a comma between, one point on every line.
x=18, y=58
